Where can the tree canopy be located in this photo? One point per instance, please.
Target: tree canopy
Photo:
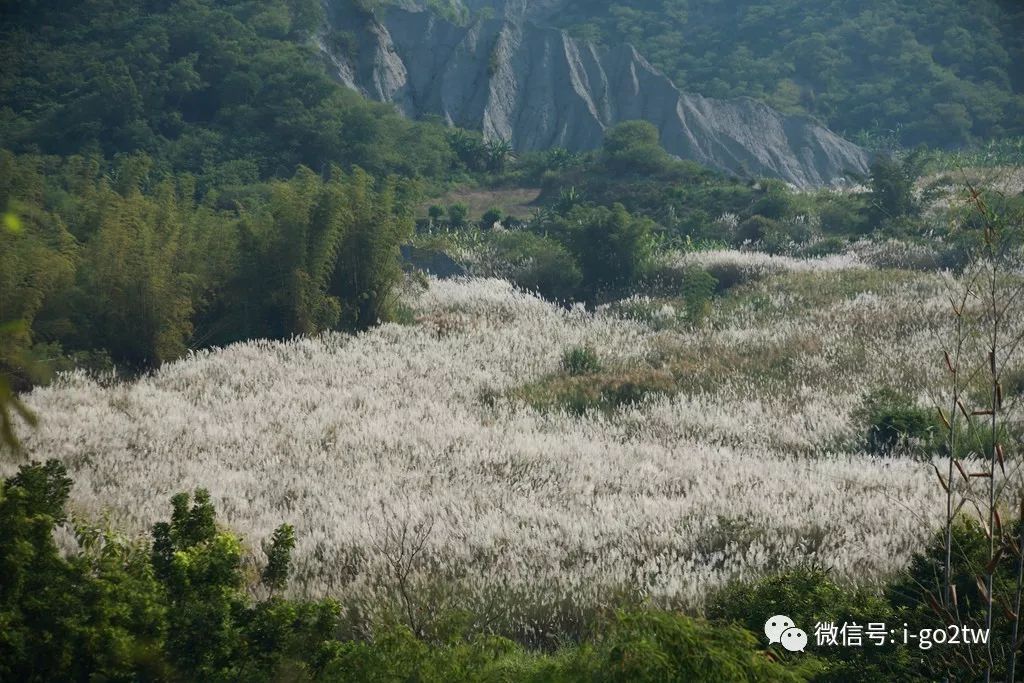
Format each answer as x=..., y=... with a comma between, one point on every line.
x=231, y=90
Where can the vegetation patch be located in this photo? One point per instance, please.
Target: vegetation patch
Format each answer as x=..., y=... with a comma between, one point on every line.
x=599, y=389
x=895, y=424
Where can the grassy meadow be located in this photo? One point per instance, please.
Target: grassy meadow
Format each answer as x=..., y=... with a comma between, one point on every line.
x=455, y=462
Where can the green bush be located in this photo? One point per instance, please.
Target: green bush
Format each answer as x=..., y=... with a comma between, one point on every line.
x=580, y=360
x=658, y=646
x=538, y=264
x=891, y=195
x=612, y=247
x=917, y=594
x=776, y=202
x=490, y=217
x=634, y=147
x=604, y=390
x=1013, y=383
x=730, y=275
x=842, y=215
x=457, y=214
x=893, y=423
x=755, y=228
x=698, y=288
x=783, y=237
x=825, y=246
x=810, y=596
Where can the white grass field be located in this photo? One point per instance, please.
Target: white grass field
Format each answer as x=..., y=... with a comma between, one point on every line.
x=359, y=441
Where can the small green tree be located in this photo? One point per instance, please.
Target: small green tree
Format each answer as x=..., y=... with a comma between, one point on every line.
x=436, y=213
x=612, y=247
x=891, y=183
x=200, y=570
x=893, y=422
x=279, y=557
x=775, y=202
x=496, y=155
x=581, y=360
x=698, y=291
x=94, y=616
x=490, y=217
x=538, y=264
x=633, y=146
x=457, y=214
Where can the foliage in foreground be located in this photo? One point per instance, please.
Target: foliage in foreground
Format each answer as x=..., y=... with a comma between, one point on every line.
x=910, y=600
x=808, y=596
x=183, y=608
x=184, y=611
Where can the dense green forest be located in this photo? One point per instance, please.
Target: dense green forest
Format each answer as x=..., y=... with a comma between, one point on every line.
x=232, y=92
x=945, y=73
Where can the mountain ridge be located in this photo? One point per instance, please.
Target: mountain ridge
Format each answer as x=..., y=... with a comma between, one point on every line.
x=536, y=87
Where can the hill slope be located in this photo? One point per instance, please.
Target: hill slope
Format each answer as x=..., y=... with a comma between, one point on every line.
x=538, y=88
x=942, y=72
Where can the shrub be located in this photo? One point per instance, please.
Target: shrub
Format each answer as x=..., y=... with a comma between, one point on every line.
x=784, y=236
x=842, y=216
x=892, y=187
x=580, y=360
x=457, y=214
x=731, y=274
x=612, y=247
x=810, y=596
x=698, y=289
x=894, y=423
x=597, y=390
x=826, y=246
x=1013, y=382
x=537, y=263
x=633, y=146
x=755, y=228
x=776, y=202
x=660, y=646
x=916, y=592
x=490, y=217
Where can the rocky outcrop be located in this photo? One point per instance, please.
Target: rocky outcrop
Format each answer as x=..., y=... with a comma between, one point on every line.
x=433, y=261
x=538, y=88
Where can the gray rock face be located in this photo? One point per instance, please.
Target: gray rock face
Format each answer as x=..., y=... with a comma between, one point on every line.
x=538, y=88
x=431, y=261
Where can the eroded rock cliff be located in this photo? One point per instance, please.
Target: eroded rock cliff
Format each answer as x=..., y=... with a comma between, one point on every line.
x=537, y=88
